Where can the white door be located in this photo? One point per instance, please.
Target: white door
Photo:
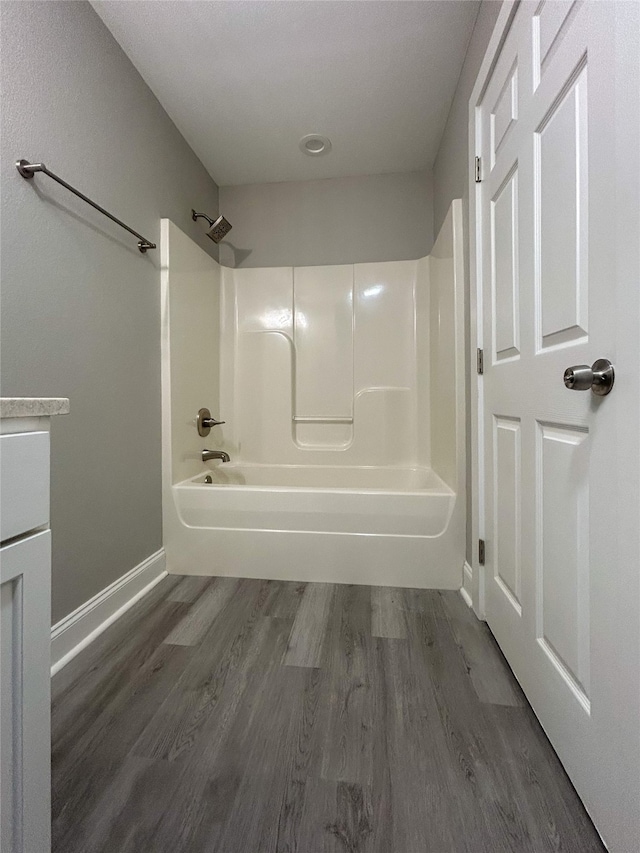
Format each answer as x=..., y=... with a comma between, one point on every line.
x=557, y=208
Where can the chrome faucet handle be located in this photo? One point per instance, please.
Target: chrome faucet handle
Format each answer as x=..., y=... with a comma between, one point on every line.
x=204, y=422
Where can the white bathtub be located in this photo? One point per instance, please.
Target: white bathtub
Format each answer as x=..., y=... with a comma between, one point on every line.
x=385, y=525
x=342, y=393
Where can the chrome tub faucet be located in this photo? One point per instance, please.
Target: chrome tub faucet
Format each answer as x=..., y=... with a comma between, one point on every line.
x=215, y=454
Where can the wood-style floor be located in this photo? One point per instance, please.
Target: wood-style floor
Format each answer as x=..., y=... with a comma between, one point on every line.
x=243, y=716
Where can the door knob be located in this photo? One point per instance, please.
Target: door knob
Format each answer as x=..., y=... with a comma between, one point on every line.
x=204, y=422
x=599, y=377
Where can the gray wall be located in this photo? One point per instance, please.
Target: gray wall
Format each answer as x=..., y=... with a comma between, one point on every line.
x=451, y=177
x=80, y=304
x=333, y=221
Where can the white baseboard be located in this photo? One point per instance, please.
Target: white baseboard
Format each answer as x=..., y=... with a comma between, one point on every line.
x=78, y=629
x=465, y=589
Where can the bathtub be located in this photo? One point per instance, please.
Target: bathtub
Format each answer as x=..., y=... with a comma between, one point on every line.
x=341, y=389
x=346, y=524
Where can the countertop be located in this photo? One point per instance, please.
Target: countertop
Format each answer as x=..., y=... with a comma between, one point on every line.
x=33, y=407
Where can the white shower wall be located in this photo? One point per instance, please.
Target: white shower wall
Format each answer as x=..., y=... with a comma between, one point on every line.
x=190, y=350
x=327, y=365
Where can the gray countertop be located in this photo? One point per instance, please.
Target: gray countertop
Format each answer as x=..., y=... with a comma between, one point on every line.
x=33, y=407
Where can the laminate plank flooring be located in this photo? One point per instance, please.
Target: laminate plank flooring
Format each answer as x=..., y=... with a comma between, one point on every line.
x=241, y=716
x=204, y=610
x=347, y=750
x=387, y=617
x=190, y=588
x=491, y=679
x=305, y=643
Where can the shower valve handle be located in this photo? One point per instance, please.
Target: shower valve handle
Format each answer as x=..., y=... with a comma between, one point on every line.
x=204, y=422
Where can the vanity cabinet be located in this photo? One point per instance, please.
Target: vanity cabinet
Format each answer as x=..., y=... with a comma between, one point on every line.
x=25, y=629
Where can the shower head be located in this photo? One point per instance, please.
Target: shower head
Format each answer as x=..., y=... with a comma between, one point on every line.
x=217, y=229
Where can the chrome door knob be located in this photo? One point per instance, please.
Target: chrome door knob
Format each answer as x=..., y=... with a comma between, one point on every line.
x=579, y=378
x=599, y=377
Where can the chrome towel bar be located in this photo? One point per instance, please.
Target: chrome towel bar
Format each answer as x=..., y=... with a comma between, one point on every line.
x=28, y=170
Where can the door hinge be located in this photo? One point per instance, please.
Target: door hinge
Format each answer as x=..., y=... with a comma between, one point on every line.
x=481, y=551
x=478, y=174
x=480, y=362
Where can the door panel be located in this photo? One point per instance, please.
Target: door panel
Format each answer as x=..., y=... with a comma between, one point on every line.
x=505, y=111
x=504, y=268
x=561, y=227
x=563, y=553
x=549, y=20
x=507, y=512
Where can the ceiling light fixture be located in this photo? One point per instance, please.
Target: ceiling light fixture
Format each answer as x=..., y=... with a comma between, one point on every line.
x=313, y=144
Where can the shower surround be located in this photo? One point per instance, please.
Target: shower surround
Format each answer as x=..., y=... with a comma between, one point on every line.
x=342, y=389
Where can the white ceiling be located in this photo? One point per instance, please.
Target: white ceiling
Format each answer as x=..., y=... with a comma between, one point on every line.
x=243, y=80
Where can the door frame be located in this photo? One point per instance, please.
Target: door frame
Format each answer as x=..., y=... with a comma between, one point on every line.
x=477, y=580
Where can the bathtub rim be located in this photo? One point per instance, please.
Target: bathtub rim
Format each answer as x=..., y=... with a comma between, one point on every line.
x=440, y=489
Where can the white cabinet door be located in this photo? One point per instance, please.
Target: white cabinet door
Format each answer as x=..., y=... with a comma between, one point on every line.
x=25, y=729
x=559, y=187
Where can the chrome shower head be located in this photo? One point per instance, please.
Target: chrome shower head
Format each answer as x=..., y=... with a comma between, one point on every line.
x=217, y=229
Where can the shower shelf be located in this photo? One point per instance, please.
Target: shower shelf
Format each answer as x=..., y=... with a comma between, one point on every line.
x=322, y=420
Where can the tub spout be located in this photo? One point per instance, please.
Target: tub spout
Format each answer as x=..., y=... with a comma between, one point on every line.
x=215, y=454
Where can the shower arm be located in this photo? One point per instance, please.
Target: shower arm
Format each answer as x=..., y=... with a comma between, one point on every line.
x=195, y=216
x=28, y=170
